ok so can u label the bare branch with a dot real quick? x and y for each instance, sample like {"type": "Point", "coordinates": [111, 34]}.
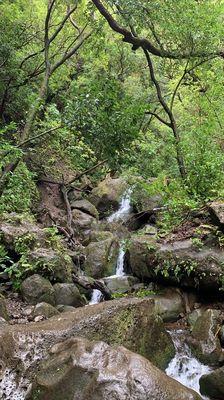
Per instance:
{"type": "Point", "coordinates": [159, 118]}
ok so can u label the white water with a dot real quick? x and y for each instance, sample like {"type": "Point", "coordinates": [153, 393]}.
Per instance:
{"type": "Point", "coordinates": [185, 368]}
{"type": "Point", "coordinates": [120, 215]}
{"type": "Point", "coordinates": [120, 262]}
{"type": "Point", "coordinates": [96, 297]}
{"type": "Point", "coordinates": [124, 210]}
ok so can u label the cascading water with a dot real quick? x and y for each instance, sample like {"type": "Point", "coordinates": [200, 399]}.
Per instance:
{"type": "Point", "coordinates": [120, 215]}
{"type": "Point", "coordinates": [96, 297]}
{"type": "Point", "coordinates": [120, 261]}
{"type": "Point", "coordinates": [124, 210]}
{"type": "Point", "coordinates": [185, 368]}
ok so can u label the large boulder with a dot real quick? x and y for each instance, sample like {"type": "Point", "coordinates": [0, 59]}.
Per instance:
{"type": "Point", "coordinates": [96, 371]}
{"type": "Point", "coordinates": [83, 221]}
{"type": "Point", "coordinates": [120, 284]}
{"type": "Point", "coordinates": [107, 195]}
{"type": "Point", "coordinates": [55, 264]}
{"type": "Point", "coordinates": [216, 209]}
{"type": "Point", "coordinates": [85, 206]}
{"type": "Point", "coordinates": [170, 304]}
{"type": "Point", "coordinates": [212, 384]}
{"type": "Point", "coordinates": [37, 289]}
{"type": "Point", "coordinates": [101, 257]}
{"type": "Point", "coordinates": [42, 248]}
{"type": "Point", "coordinates": [129, 322]}
{"type": "Point", "coordinates": [204, 341]}
{"type": "Point", "coordinates": [68, 294]}
{"type": "Point", "coordinates": [45, 310]}
{"type": "Point", "coordinates": [179, 263]}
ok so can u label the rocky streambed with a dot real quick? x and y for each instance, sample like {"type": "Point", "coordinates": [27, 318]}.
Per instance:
{"type": "Point", "coordinates": [161, 337]}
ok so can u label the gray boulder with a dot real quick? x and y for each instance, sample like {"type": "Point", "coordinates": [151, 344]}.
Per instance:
{"type": "Point", "coordinates": [44, 309]}
{"type": "Point", "coordinates": [57, 264]}
{"type": "Point", "coordinates": [101, 258]}
{"type": "Point", "coordinates": [177, 263]}
{"type": "Point", "coordinates": [193, 317]}
{"type": "Point", "coordinates": [86, 207]}
{"type": "Point", "coordinates": [37, 289]}
{"type": "Point", "coordinates": [101, 372]}
{"type": "Point", "coordinates": [83, 221]}
{"type": "Point", "coordinates": [212, 384]}
{"type": "Point", "coordinates": [216, 209]}
{"type": "Point", "coordinates": [120, 284]}
{"type": "Point", "coordinates": [205, 343]}
{"type": "Point", "coordinates": [68, 294]}
{"type": "Point", "coordinates": [169, 304]}
{"type": "Point", "coordinates": [107, 195]}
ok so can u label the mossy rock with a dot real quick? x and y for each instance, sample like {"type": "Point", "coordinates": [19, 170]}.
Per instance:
{"type": "Point", "coordinates": [101, 257]}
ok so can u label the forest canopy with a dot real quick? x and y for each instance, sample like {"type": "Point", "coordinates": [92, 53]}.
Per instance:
{"type": "Point", "coordinates": [134, 86]}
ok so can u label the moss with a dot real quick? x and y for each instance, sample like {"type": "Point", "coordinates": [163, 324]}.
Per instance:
{"type": "Point", "coordinates": [121, 327]}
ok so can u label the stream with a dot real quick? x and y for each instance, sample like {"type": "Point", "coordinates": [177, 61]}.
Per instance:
{"type": "Point", "coordinates": [184, 367]}
{"type": "Point", "coordinates": [120, 215]}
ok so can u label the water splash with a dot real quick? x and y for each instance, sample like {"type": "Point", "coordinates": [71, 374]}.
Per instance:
{"type": "Point", "coordinates": [120, 262]}
{"type": "Point", "coordinates": [124, 210]}
{"type": "Point", "coordinates": [185, 368]}
{"type": "Point", "coordinates": [96, 297]}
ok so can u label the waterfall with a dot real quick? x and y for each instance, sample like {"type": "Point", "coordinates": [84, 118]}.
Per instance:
{"type": "Point", "coordinates": [120, 215]}
{"type": "Point", "coordinates": [120, 261]}
{"type": "Point", "coordinates": [185, 368]}
{"type": "Point", "coordinates": [96, 297]}
{"type": "Point", "coordinates": [124, 210]}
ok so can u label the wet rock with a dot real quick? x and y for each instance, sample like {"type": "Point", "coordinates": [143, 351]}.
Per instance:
{"type": "Point", "coordinates": [212, 384]}
{"type": "Point", "coordinates": [130, 322]}
{"type": "Point", "coordinates": [177, 263]}
{"type": "Point", "coordinates": [120, 284]}
{"type": "Point", "coordinates": [205, 343]}
{"type": "Point", "coordinates": [68, 294]}
{"type": "Point", "coordinates": [216, 209]}
{"type": "Point", "coordinates": [101, 258]}
{"type": "Point", "coordinates": [107, 195]}
{"type": "Point", "coordinates": [86, 207]}
{"type": "Point", "coordinates": [37, 289]}
{"type": "Point", "coordinates": [3, 309]}
{"type": "Point", "coordinates": [44, 309]}
{"type": "Point", "coordinates": [101, 372]}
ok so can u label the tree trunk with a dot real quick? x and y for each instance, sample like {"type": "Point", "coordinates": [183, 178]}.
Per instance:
{"type": "Point", "coordinates": [35, 108]}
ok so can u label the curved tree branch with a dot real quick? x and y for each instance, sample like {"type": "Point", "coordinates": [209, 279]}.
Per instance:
{"type": "Point", "coordinates": [145, 44]}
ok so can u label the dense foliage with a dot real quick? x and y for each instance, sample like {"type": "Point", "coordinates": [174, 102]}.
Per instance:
{"type": "Point", "coordinates": [74, 94]}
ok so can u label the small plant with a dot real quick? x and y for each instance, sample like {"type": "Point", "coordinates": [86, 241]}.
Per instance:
{"type": "Point", "coordinates": [220, 237]}
{"type": "Point", "coordinates": [197, 242]}
{"type": "Point", "coordinates": [118, 295]}
{"type": "Point", "coordinates": [141, 293]}
{"type": "Point", "coordinates": [24, 243]}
